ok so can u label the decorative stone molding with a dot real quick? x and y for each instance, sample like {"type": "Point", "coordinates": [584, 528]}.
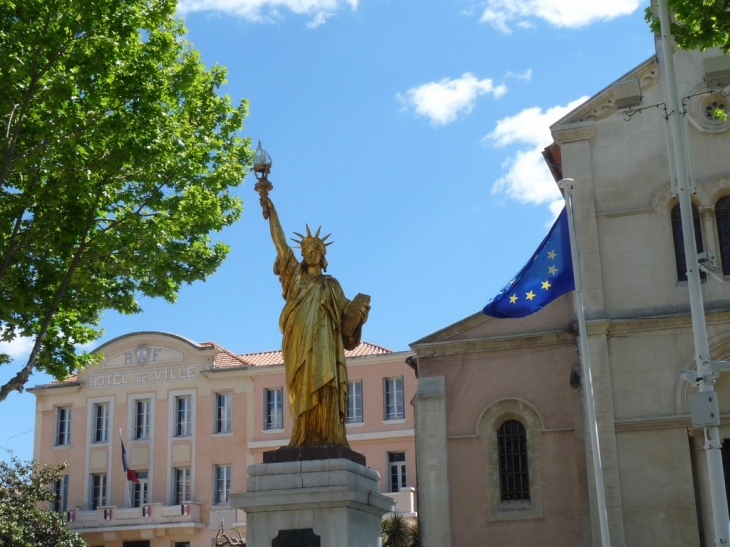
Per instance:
{"type": "Point", "coordinates": [716, 188]}
{"type": "Point", "coordinates": [579, 131]}
{"type": "Point", "coordinates": [489, 422]}
{"type": "Point", "coordinates": [700, 106]}
{"type": "Point", "coordinates": [602, 105]}
{"type": "Point", "coordinates": [458, 347]}
{"type": "Point", "coordinates": [707, 212]}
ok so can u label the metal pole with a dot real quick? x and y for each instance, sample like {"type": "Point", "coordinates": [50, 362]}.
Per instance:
{"type": "Point", "coordinates": [567, 186]}
{"type": "Point", "coordinates": [702, 351]}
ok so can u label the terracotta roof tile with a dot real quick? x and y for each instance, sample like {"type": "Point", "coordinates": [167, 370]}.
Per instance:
{"type": "Point", "coordinates": [69, 380]}
{"type": "Point", "coordinates": [275, 358]}
{"type": "Point", "coordinates": [225, 358]}
{"type": "Point", "coordinates": [366, 348]}
{"type": "Point", "coordinates": [263, 358]}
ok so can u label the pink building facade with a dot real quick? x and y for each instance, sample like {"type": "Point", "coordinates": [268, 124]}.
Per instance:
{"type": "Point", "coordinates": [499, 432]}
{"type": "Point", "coordinates": [192, 418]}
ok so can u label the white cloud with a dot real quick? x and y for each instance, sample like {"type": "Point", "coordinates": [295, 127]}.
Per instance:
{"type": "Point", "coordinates": [560, 13]}
{"type": "Point", "coordinates": [319, 19]}
{"type": "Point", "coordinates": [527, 178]}
{"type": "Point", "coordinates": [18, 348]}
{"type": "Point", "coordinates": [443, 101]}
{"type": "Point", "coordinates": [526, 76]}
{"type": "Point", "coordinates": [269, 10]}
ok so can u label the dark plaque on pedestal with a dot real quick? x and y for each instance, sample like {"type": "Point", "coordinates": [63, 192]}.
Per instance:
{"type": "Point", "coordinates": [303, 537]}
{"type": "Point", "coordinates": [309, 453]}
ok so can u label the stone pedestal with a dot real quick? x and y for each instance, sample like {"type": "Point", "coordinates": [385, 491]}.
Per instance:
{"type": "Point", "coordinates": [318, 503]}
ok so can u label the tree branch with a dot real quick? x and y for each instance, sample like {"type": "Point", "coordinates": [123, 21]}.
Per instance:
{"type": "Point", "coordinates": [18, 382]}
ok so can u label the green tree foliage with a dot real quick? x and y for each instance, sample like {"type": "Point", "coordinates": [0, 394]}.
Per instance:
{"type": "Point", "coordinates": [23, 523]}
{"type": "Point", "coordinates": [398, 532]}
{"type": "Point", "coordinates": [117, 161]}
{"type": "Point", "coordinates": [697, 24]}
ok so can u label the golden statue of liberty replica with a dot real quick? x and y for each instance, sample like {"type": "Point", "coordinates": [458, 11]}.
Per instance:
{"type": "Point", "coordinates": [318, 324]}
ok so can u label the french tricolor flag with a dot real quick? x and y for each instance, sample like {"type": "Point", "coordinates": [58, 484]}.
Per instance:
{"type": "Point", "coordinates": [131, 475]}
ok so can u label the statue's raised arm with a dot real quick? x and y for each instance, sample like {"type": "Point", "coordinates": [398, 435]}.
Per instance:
{"type": "Point", "coordinates": [277, 232]}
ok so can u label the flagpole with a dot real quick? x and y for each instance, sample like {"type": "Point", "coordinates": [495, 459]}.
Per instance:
{"type": "Point", "coordinates": [705, 376]}
{"type": "Point", "coordinates": [567, 187]}
{"type": "Point", "coordinates": [126, 481]}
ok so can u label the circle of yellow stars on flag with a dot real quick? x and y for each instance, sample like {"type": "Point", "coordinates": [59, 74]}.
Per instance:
{"type": "Point", "coordinates": [545, 285]}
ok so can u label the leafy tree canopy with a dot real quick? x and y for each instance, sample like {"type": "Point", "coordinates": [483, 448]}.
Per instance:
{"type": "Point", "coordinates": [698, 24]}
{"type": "Point", "coordinates": [23, 523]}
{"type": "Point", "coordinates": [117, 161]}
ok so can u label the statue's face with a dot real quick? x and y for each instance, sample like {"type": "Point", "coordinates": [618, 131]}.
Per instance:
{"type": "Point", "coordinates": [312, 255]}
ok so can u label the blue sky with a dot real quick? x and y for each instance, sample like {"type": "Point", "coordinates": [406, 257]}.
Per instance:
{"type": "Point", "coordinates": [410, 130]}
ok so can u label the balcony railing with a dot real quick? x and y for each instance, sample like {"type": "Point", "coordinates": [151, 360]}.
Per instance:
{"type": "Point", "coordinates": [153, 513]}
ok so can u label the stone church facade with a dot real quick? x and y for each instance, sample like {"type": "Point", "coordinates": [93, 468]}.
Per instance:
{"type": "Point", "coordinates": [502, 400]}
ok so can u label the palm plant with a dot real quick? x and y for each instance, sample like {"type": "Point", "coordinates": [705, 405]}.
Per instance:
{"type": "Point", "coordinates": [397, 532]}
{"type": "Point", "coordinates": [415, 537]}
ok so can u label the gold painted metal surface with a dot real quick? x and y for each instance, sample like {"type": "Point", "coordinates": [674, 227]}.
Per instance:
{"type": "Point", "coordinates": [318, 323]}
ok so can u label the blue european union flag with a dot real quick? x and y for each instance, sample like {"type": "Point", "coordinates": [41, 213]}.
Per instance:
{"type": "Point", "coordinates": [547, 275]}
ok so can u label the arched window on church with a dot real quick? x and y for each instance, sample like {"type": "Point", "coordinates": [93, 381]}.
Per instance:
{"type": "Point", "coordinates": [514, 475]}
{"type": "Point", "coordinates": [679, 240]}
{"type": "Point", "coordinates": [722, 215]}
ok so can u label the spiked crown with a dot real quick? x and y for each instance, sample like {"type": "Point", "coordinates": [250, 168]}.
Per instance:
{"type": "Point", "coordinates": [310, 239]}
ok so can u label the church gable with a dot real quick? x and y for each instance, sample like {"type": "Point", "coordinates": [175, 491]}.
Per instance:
{"type": "Point", "coordinates": [603, 104]}
{"type": "Point", "coordinates": [555, 317]}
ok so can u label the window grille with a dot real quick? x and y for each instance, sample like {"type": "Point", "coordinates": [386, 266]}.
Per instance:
{"type": "Point", "coordinates": [514, 476]}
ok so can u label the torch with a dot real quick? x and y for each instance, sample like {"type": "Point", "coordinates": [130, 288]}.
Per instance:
{"type": "Point", "coordinates": [261, 168]}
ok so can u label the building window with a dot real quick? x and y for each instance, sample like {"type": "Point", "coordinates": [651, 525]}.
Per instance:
{"type": "Point", "coordinates": [511, 432]}
{"type": "Point", "coordinates": [181, 485]}
{"type": "Point", "coordinates": [100, 428]}
{"type": "Point", "coordinates": [98, 490]}
{"type": "Point", "coordinates": [679, 240]}
{"type": "Point", "coordinates": [60, 491]}
{"type": "Point", "coordinates": [223, 413]}
{"type": "Point", "coordinates": [397, 471]}
{"type": "Point", "coordinates": [514, 475]}
{"type": "Point", "coordinates": [722, 216]}
{"type": "Point", "coordinates": [141, 494]}
{"type": "Point", "coordinates": [142, 419]}
{"type": "Point", "coordinates": [274, 408]}
{"type": "Point", "coordinates": [393, 398]}
{"type": "Point", "coordinates": [183, 416]}
{"type": "Point", "coordinates": [354, 402]}
{"type": "Point", "coordinates": [222, 485]}
{"type": "Point", "coordinates": [63, 425]}
{"type": "Point", "coordinates": [181, 544]}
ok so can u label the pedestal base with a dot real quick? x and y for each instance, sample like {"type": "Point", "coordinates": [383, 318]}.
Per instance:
{"type": "Point", "coordinates": [308, 453]}
{"type": "Point", "coordinates": [337, 499]}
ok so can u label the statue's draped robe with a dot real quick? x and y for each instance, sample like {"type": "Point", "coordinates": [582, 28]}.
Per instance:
{"type": "Point", "coordinates": [314, 353]}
